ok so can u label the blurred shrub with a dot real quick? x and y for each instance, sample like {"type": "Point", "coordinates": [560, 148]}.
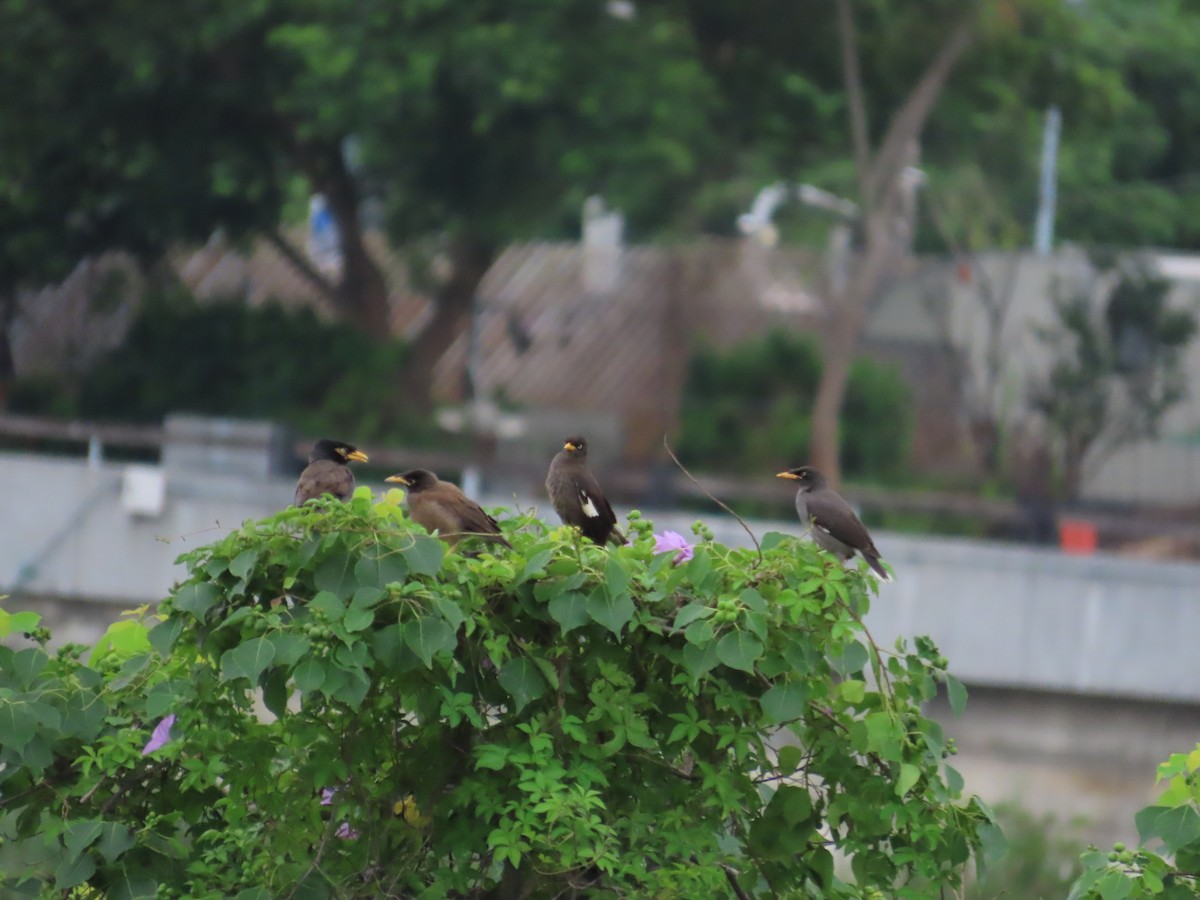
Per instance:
{"type": "Point", "coordinates": [749, 409]}
{"type": "Point", "coordinates": [230, 359]}
{"type": "Point", "coordinates": [1038, 857]}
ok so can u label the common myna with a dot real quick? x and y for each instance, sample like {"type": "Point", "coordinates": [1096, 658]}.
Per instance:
{"type": "Point", "coordinates": [328, 471]}
{"type": "Point", "coordinates": [833, 524]}
{"type": "Point", "coordinates": [577, 497]}
{"type": "Point", "coordinates": [440, 506]}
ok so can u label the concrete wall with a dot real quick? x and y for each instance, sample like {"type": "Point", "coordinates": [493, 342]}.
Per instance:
{"type": "Point", "coordinates": [1070, 756]}
{"type": "Point", "coordinates": [65, 532]}
{"type": "Point", "coordinates": [939, 305]}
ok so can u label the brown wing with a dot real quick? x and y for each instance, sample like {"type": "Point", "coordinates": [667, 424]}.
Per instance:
{"type": "Point", "coordinates": [324, 477]}
{"type": "Point", "coordinates": [829, 512]}
{"type": "Point", "coordinates": [559, 481]}
{"type": "Point", "coordinates": [448, 510]}
{"type": "Point", "coordinates": [476, 521]}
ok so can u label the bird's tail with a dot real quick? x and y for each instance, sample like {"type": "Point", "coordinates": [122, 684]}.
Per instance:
{"type": "Point", "coordinates": [876, 563]}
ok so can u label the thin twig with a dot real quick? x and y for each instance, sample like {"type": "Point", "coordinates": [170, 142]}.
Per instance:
{"type": "Point", "coordinates": [316, 862]}
{"type": "Point", "coordinates": [705, 491]}
{"type": "Point", "coordinates": [731, 876]}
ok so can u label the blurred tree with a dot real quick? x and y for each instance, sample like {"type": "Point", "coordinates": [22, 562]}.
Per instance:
{"type": "Point", "coordinates": [1117, 369]}
{"type": "Point", "coordinates": [1129, 117]}
{"type": "Point", "coordinates": [1125, 79]}
{"type": "Point", "coordinates": [472, 121]}
{"type": "Point", "coordinates": [1131, 176]}
{"type": "Point", "coordinates": [468, 124]}
{"type": "Point", "coordinates": [885, 194]}
{"type": "Point", "coordinates": [92, 156]}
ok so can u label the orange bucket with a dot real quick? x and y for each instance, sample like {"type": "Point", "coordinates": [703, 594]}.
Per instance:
{"type": "Point", "coordinates": [1077, 536]}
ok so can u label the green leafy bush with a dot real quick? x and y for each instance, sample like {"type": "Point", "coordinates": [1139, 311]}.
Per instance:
{"type": "Point", "coordinates": [231, 359]}
{"type": "Point", "coordinates": [1167, 864]}
{"type": "Point", "coordinates": [749, 409]}
{"type": "Point", "coordinates": [553, 719]}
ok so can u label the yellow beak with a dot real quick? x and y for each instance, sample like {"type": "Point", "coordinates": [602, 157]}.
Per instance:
{"type": "Point", "coordinates": [788, 475]}
{"type": "Point", "coordinates": [569, 446]}
{"type": "Point", "coordinates": [357, 456]}
{"type": "Point", "coordinates": [397, 479]}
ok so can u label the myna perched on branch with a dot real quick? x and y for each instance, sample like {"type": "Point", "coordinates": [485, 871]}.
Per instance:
{"type": "Point", "coordinates": [833, 524]}
{"type": "Point", "coordinates": [577, 497]}
{"type": "Point", "coordinates": [328, 471]}
{"type": "Point", "coordinates": [438, 505]}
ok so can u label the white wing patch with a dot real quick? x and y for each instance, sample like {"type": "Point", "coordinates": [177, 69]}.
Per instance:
{"type": "Point", "coordinates": [589, 508]}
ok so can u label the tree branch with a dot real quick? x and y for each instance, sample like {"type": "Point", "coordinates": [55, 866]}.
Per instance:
{"type": "Point", "coordinates": [907, 123]}
{"type": "Point", "coordinates": [303, 266]}
{"type": "Point", "coordinates": [852, 81]}
{"type": "Point", "coordinates": [731, 876]}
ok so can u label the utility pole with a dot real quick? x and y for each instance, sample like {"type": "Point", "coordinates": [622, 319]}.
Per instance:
{"type": "Point", "coordinates": [1043, 230]}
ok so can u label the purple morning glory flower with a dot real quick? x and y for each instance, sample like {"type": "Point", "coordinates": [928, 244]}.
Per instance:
{"type": "Point", "coordinates": [162, 734]}
{"type": "Point", "coordinates": [345, 832]}
{"type": "Point", "coordinates": [327, 795]}
{"type": "Point", "coordinates": [673, 540]}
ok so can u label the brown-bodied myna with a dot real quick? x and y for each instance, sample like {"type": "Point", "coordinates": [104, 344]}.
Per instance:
{"type": "Point", "coordinates": [577, 497]}
{"type": "Point", "coordinates": [833, 524]}
{"type": "Point", "coordinates": [328, 471]}
{"type": "Point", "coordinates": [440, 506]}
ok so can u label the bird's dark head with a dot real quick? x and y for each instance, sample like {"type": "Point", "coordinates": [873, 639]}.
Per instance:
{"type": "Point", "coordinates": [416, 480]}
{"type": "Point", "coordinates": [336, 451]}
{"type": "Point", "coordinates": [575, 446]}
{"type": "Point", "coordinates": [808, 477]}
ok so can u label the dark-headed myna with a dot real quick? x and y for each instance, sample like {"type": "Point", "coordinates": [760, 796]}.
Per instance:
{"type": "Point", "coordinates": [577, 497]}
{"type": "Point", "coordinates": [328, 471]}
{"type": "Point", "coordinates": [440, 506]}
{"type": "Point", "coordinates": [833, 524]}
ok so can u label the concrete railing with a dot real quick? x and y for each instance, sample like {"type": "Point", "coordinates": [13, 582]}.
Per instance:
{"type": "Point", "coordinates": [1005, 616]}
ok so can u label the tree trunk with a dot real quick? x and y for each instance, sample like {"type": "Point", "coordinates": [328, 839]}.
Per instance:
{"type": "Point", "coordinates": [453, 308]}
{"type": "Point", "coordinates": [882, 203]}
{"type": "Point", "coordinates": [837, 353]}
{"type": "Point", "coordinates": [8, 369]}
{"type": "Point", "coordinates": [848, 313]}
{"type": "Point", "coordinates": [362, 292]}
{"type": "Point", "coordinates": [361, 295]}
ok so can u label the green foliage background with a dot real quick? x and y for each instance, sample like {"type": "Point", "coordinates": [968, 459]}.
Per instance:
{"type": "Point", "coordinates": [748, 409]}
{"type": "Point", "coordinates": [559, 717]}
{"type": "Point", "coordinates": [230, 359]}
{"type": "Point", "coordinates": [495, 120]}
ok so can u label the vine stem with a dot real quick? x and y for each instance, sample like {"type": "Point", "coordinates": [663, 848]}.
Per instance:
{"type": "Point", "coordinates": [692, 478]}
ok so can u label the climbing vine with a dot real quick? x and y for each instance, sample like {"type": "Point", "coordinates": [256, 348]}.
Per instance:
{"type": "Point", "coordinates": [331, 704]}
